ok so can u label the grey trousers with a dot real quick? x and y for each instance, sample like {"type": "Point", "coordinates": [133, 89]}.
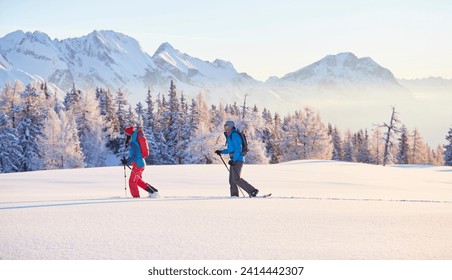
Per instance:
{"type": "Point", "coordinates": [235, 180]}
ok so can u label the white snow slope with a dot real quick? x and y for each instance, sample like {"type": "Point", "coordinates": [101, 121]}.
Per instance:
{"type": "Point", "coordinates": [319, 210]}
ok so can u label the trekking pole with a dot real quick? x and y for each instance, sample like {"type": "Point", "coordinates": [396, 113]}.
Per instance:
{"type": "Point", "coordinates": [125, 181]}
{"type": "Point", "coordinates": [125, 175]}
{"type": "Point", "coordinates": [230, 171]}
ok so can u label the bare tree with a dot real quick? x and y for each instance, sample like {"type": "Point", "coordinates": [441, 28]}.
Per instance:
{"type": "Point", "coordinates": [389, 135]}
{"type": "Point", "coordinates": [244, 108]}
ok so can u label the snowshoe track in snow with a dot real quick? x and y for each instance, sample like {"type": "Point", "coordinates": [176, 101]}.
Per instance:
{"type": "Point", "coordinates": [118, 199]}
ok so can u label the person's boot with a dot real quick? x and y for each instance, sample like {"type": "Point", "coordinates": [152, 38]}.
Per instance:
{"type": "Point", "coordinates": [153, 192]}
{"type": "Point", "coordinates": [152, 188]}
{"type": "Point", "coordinates": [149, 189]}
{"type": "Point", "coordinates": [254, 193]}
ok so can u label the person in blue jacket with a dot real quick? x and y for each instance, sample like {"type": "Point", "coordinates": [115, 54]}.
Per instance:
{"type": "Point", "coordinates": [234, 149]}
{"type": "Point", "coordinates": [138, 164]}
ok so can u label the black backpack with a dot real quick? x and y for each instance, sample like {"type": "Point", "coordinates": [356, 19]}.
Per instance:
{"type": "Point", "coordinates": [242, 135]}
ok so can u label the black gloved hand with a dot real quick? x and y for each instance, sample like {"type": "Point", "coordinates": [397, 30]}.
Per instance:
{"type": "Point", "coordinates": [124, 161]}
{"type": "Point", "coordinates": [218, 152]}
{"type": "Point", "coordinates": [231, 162]}
{"type": "Point", "coordinates": [128, 137]}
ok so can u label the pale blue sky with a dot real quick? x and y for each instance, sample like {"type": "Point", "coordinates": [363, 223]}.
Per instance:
{"type": "Point", "coordinates": [412, 38]}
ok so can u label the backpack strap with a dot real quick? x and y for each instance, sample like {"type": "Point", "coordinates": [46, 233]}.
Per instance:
{"type": "Point", "coordinates": [230, 136]}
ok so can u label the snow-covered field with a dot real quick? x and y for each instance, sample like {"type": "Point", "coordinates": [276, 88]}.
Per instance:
{"type": "Point", "coordinates": [319, 210]}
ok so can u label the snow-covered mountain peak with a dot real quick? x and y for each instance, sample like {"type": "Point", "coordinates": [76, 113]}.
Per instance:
{"type": "Point", "coordinates": [223, 64]}
{"type": "Point", "coordinates": [165, 48]}
{"type": "Point", "coordinates": [20, 41]}
{"type": "Point", "coordinates": [173, 60]}
{"type": "Point", "coordinates": [339, 60]}
{"type": "Point", "coordinates": [184, 62]}
{"type": "Point", "coordinates": [38, 36]}
{"type": "Point", "coordinates": [167, 54]}
{"type": "Point", "coordinates": [11, 39]}
{"type": "Point", "coordinates": [345, 60]}
{"type": "Point", "coordinates": [14, 35]}
{"type": "Point", "coordinates": [100, 43]}
{"type": "Point", "coordinates": [343, 70]}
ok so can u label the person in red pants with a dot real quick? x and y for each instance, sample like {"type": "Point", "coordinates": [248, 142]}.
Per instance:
{"type": "Point", "coordinates": [138, 164]}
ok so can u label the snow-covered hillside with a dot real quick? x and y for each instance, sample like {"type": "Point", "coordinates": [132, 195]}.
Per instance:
{"type": "Point", "coordinates": [319, 210]}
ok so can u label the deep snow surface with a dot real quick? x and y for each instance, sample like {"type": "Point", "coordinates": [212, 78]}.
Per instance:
{"type": "Point", "coordinates": [319, 210]}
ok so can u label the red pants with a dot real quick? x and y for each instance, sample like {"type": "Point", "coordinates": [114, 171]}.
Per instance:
{"type": "Point", "coordinates": [136, 181]}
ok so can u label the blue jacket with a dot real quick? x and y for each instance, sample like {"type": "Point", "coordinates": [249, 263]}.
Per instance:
{"type": "Point", "coordinates": [135, 152]}
{"type": "Point", "coordinates": [234, 146]}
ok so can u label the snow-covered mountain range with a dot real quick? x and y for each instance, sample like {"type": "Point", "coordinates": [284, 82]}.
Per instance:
{"type": "Point", "coordinates": [111, 60]}
{"type": "Point", "coordinates": [339, 86]}
{"type": "Point", "coordinates": [114, 60]}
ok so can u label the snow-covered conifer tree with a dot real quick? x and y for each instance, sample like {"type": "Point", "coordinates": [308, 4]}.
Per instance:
{"type": "Point", "coordinates": [111, 121]}
{"type": "Point", "coordinates": [252, 125]}
{"type": "Point", "coordinates": [8, 102]}
{"type": "Point", "coordinates": [306, 137]}
{"type": "Point", "coordinates": [172, 130]}
{"type": "Point", "coordinates": [337, 153]}
{"type": "Point", "coordinates": [131, 118]}
{"type": "Point", "coordinates": [448, 149]}
{"type": "Point", "coordinates": [184, 126]}
{"type": "Point", "coordinates": [57, 145]}
{"type": "Point", "coordinates": [376, 146]}
{"type": "Point", "coordinates": [149, 129]}
{"type": "Point", "coordinates": [348, 147]}
{"type": "Point", "coordinates": [11, 152]}
{"type": "Point", "coordinates": [139, 112]}
{"type": "Point", "coordinates": [90, 130]}
{"type": "Point", "coordinates": [122, 107]}
{"type": "Point", "coordinates": [438, 156]}
{"type": "Point", "coordinates": [217, 116]}
{"type": "Point", "coordinates": [161, 155]}
{"type": "Point", "coordinates": [402, 155]}
{"type": "Point", "coordinates": [32, 118]}
{"type": "Point", "coordinates": [290, 139]}
{"type": "Point", "coordinates": [83, 107]}
{"type": "Point", "coordinates": [73, 151]}
{"type": "Point", "coordinates": [148, 115]}
{"type": "Point", "coordinates": [51, 145]}
{"type": "Point", "coordinates": [275, 137]}
{"type": "Point", "coordinates": [201, 135]}
{"type": "Point", "coordinates": [72, 97]}
{"type": "Point", "coordinates": [418, 153]}
{"type": "Point", "coordinates": [361, 147]}
{"type": "Point", "coordinates": [121, 110]}
{"type": "Point", "coordinates": [268, 136]}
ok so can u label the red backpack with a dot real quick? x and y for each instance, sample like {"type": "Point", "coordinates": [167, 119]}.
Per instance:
{"type": "Point", "coordinates": [143, 142]}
